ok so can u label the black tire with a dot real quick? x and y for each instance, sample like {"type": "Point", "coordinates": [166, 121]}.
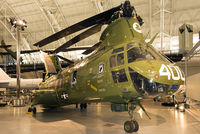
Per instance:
{"type": "Point", "coordinates": [136, 126]}
{"type": "Point", "coordinates": [29, 109]}
{"type": "Point", "coordinates": [131, 126]}
{"type": "Point", "coordinates": [81, 106]}
{"type": "Point", "coordinates": [128, 126]}
{"type": "Point", "coordinates": [85, 105]}
{"type": "Point", "coordinates": [34, 110]}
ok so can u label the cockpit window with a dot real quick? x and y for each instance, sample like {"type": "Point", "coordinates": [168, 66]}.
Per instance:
{"type": "Point", "coordinates": [118, 50]}
{"type": "Point", "coordinates": [112, 61]}
{"type": "Point", "coordinates": [131, 45]}
{"type": "Point", "coordinates": [138, 54]}
{"type": "Point", "coordinates": [116, 59]}
{"type": "Point", "coordinates": [146, 86]}
{"type": "Point", "coordinates": [119, 76]}
{"type": "Point", "coordinates": [153, 52]}
{"type": "Point", "coordinates": [120, 59]}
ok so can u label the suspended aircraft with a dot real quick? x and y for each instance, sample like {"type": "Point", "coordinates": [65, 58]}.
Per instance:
{"type": "Point", "coordinates": [122, 68]}
{"type": "Point", "coordinates": [13, 54]}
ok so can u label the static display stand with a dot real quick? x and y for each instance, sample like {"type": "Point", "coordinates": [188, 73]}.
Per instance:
{"type": "Point", "coordinates": [19, 25]}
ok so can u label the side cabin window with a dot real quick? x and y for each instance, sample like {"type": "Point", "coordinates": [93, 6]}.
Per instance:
{"type": "Point", "coordinates": [117, 50]}
{"type": "Point", "coordinates": [119, 76]}
{"type": "Point", "coordinates": [120, 59]}
{"type": "Point", "coordinates": [73, 78]}
{"type": "Point", "coordinates": [117, 57]}
{"type": "Point", "coordinates": [112, 61]}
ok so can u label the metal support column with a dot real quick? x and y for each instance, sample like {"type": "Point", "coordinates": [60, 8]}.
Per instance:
{"type": "Point", "coordinates": [186, 71]}
{"type": "Point", "coordinates": [150, 18]}
{"type": "Point", "coordinates": [19, 25]}
{"type": "Point", "coordinates": [162, 23]}
{"type": "Point", "coordinates": [18, 63]}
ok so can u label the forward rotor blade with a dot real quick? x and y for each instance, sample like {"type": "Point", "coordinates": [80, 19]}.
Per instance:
{"type": "Point", "coordinates": [76, 48]}
{"type": "Point", "coordinates": [91, 49]}
{"type": "Point", "coordinates": [79, 37]}
{"type": "Point", "coordinates": [65, 59]}
{"type": "Point", "coordinates": [101, 18]}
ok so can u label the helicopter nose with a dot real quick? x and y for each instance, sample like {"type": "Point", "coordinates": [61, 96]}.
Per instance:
{"type": "Point", "coordinates": [153, 77]}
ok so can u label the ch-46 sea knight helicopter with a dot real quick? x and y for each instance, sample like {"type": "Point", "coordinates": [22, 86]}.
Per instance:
{"type": "Point", "coordinates": [122, 69]}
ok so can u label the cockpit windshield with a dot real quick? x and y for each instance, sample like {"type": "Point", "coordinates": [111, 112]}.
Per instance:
{"type": "Point", "coordinates": [138, 53]}
{"type": "Point", "coordinates": [146, 86]}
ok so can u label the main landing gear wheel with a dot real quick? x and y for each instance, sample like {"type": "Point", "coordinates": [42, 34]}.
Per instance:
{"type": "Point", "coordinates": [32, 109]}
{"type": "Point", "coordinates": [131, 126]}
{"type": "Point", "coordinates": [83, 106]}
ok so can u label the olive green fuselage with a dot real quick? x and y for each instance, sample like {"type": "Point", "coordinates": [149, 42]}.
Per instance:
{"type": "Point", "coordinates": [92, 80]}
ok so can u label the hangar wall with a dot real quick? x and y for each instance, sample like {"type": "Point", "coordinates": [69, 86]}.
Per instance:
{"type": "Point", "coordinates": [193, 78]}
{"type": "Point", "coordinates": [193, 91]}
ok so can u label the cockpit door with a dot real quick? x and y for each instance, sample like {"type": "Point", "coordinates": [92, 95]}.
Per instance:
{"type": "Point", "coordinates": [117, 66]}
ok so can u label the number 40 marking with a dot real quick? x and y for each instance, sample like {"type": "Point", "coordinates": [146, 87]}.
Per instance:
{"type": "Point", "coordinates": [167, 71]}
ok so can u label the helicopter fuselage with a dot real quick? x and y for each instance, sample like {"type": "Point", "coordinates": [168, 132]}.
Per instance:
{"type": "Point", "coordinates": [122, 69]}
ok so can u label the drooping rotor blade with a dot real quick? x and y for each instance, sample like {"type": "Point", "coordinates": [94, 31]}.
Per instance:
{"type": "Point", "coordinates": [75, 48]}
{"type": "Point", "coordinates": [36, 50]}
{"type": "Point", "coordinates": [5, 46]}
{"type": "Point", "coordinates": [91, 49]}
{"type": "Point", "coordinates": [101, 18]}
{"type": "Point", "coordinates": [4, 53]}
{"type": "Point", "coordinates": [65, 59]}
{"type": "Point", "coordinates": [29, 51]}
{"type": "Point", "coordinates": [79, 37]}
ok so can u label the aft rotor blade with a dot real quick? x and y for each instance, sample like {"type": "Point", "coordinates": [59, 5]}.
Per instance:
{"type": "Point", "coordinates": [101, 18]}
{"type": "Point", "coordinates": [29, 51]}
{"type": "Point", "coordinates": [65, 59]}
{"type": "Point", "coordinates": [75, 49]}
{"type": "Point", "coordinates": [33, 51]}
{"type": "Point", "coordinates": [79, 37]}
{"type": "Point", "coordinates": [4, 53]}
{"type": "Point", "coordinates": [91, 49]}
{"type": "Point", "coordinates": [5, 46]}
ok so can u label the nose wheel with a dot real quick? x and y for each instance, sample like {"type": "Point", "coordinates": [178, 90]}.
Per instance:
{"type": "Point", "coordinates": [132, 125]}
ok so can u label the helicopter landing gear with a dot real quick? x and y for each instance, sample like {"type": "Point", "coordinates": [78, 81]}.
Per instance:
{"type": "Point", "coordinates": [32, 109]}
{"type": "Point", "coordinates": [132, 125]}
{"type": "Point", "coordinates": [83, 106]}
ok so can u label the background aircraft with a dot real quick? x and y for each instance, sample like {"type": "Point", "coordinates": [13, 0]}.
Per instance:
{"type": "Point", "coordinates": [7, 82]}
{"type": "Point", "coordinates": [13, 54]}
{"type": "Point", "coordinates": [122, 70]}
